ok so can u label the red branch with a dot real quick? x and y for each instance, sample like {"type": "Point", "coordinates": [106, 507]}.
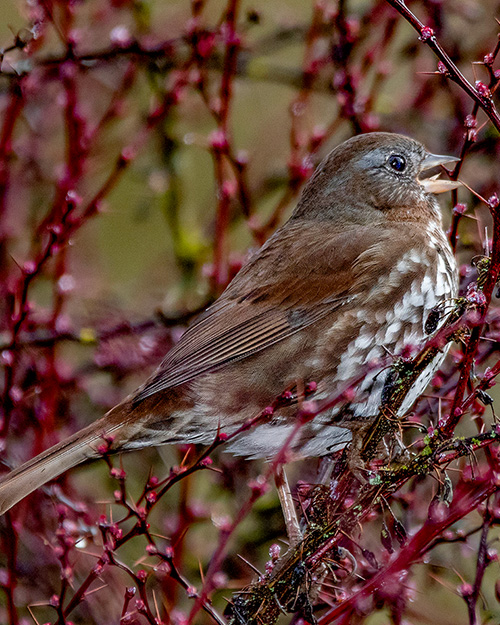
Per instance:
{"type": "Point", "coordinates": [468, 496]}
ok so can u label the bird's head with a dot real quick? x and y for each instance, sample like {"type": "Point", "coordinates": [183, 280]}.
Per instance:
{"type": "Point", "coordinates": [373, 177]}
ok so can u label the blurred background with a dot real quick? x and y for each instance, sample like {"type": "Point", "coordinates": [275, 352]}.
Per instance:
{"type": "Point", "coordinates": [146, 149]}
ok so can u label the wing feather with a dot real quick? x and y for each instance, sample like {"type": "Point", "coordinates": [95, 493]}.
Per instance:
{"type": "Point", "coordinates": [290, 284]}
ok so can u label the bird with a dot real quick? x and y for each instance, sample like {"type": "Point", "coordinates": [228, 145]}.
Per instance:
{"type": "Point", "coordinates": [351, 276]}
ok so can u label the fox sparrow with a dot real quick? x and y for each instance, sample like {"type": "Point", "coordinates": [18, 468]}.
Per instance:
{"type": "Point", "coordinates": [351, 276]}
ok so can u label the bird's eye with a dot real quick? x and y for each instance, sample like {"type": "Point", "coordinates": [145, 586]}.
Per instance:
{"type": "Point", "coordinates": [398, 163]}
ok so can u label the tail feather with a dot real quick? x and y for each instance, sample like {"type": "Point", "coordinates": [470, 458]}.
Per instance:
{"type": "Point", "coordinates": [50, 464]}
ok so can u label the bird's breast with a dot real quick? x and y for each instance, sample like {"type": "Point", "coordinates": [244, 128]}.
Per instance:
{"type": "Point", "coordinates": [390, 321]}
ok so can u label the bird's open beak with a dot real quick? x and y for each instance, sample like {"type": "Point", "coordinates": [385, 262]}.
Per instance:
{"type": "Point", "coordinates": [434, 184]}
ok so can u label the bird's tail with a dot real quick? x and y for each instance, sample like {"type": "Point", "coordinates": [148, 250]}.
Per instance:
{"type": "Point", "coordinates": [53, 462]}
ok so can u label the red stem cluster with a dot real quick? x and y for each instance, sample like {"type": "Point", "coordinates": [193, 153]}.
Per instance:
{"type": "Point", "coordinates": [338, 87]}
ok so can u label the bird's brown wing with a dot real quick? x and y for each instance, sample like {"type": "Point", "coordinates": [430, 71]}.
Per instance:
{"type": "Point", "coordinates": [246, 331]}
{"type": "Point", "coordinates": [292, 282]}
